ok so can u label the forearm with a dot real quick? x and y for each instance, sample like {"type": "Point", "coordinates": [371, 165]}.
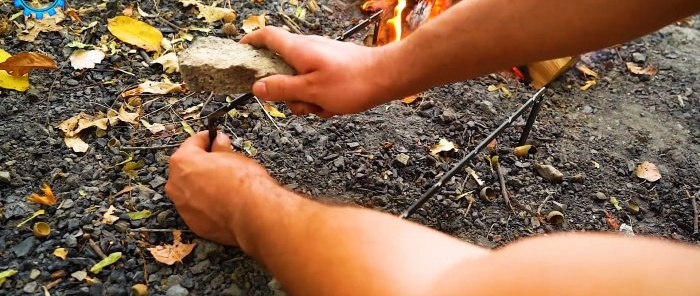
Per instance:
{"type": "Point", "coordinates": [478, 37]}
{"type": "Point", "coordinates": [316, 249]}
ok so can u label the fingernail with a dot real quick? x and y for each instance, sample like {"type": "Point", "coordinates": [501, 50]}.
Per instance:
{"type": "Point", "coordinates": [260, 89]}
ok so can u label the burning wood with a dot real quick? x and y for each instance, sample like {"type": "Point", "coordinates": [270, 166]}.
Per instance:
{"type": "Point", "coordinates": [401, 17]}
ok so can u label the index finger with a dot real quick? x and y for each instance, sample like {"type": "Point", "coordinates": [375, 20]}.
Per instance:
{"type": "Point", "coordinates": [195, 144]}
{"type": "Point", "coordinates": [272, 38]}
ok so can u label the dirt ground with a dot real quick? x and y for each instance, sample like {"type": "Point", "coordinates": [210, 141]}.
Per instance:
{"type": "Point", "coordinates": [596, 138]}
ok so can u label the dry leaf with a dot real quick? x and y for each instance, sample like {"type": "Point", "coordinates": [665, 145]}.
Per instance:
{"type": "Point", "coordinates": [587, 71]}
{"type": "Point", "coordinates": [154, 87]}
{"type": "Point", "coordinates": [109, 260]}
{"type": "Point", "coordinates": [272, 110]}
{"type": "Point", "coordinates": [45, 198]}
{"type": "Point", "coordinates": [135, 32]}
{"type": "Point", "coordinates": [442, 146]}
{"type": "Point", "coordinates": [502, 88]}
{"type": "Point", "coordinates": [192, 112]}
{"type": "Point", "coordinates": [128, 10]}
{"type": "Point", "coordinates": [153, 128]}
{"type": "Point", "coordinates": [74, 125]}
{"type": "Point", "coordinates": [86, 59]}
{"type": "Point", "coordinates": [213, 14]}
{"type": "Point", "coordinates": [108, 217]}
{"type": "Point", "coordinates": [253, 23]}
{"type": "Point", "coordinates": [649, 71]}
{"type": "Point", "coordinates": [8, 81]}
{"type": "Point", "coordinates": [248, 148]}
{"type": "Point", "coordinates": [409, 99]}
{"type": "Point", "coordinates": [588, 85]}
{"type": "Point", "coordinates": [187, 128]}
{"type": "Point", "coordinates": [36, 214]}
{"type": "Point", "coordinates": [61, 253]}
{"type": "Point", "coordinates": [648, 171]}
{"type": "Point", "coordinates": [612, 221]}
{"type": "Point", "coordinates": [5, 274]}
{"type": "Point", "coordinates": [76, 143]}
{"type": "Point", "coordinates": [34, 26]}
{"type": "Point", "coordinates": [169, 254]}
{"type": "Point", "coordinates": [128, 116]}
{"type": "Point", "coordinates": [169, 62]}
{"type": "Point", "coordinates": [20, 64]}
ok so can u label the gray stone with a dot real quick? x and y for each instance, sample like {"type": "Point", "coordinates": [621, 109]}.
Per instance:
{"type": "Point", "coordinates": [5, 177]}
{"type": "Point", "coordinates": [172, 281]}
{"type": "Point", "coordinates": [34, 273]}
{"type": "Point", "coordinates": [200, 267]}
{"type": "Point", "coordinates": [339, 162]}
{"type": "Point", "coordinates": [205, 249]}
{"type": "Point", "coordinates": [121, 226]}
{"type": "Point", "coordinates": [177, 290]}
{"type": "Point", "coordinates": [587, 109]}
{"type": "Point", "coordinates": [232, 290]}
{"type": "Point", "coordinates": [67, 204]}
{"type": "Point", "coordinates": [402, 158]}
{"type": "Point", "coordinates": [487, 107]}
{"type": "Point", "coordinates": [157, 182]}
{"type": "Point", "coordinates": [70, 241]}
{"type": "Point", "coordinates": [30, 287]}
{"type": "Point", "coordinates": [353, 144]}
{"type": "Point", "coordinates": [639, 58]}
{"type": "Point", "coordinates": [600, 196]}
{"type": "Point", "coordinates": [224, 66]}
{"type": "Point", "coordinates": [549, 173]}
{"type": "Point", "coordinates": [25, 247]}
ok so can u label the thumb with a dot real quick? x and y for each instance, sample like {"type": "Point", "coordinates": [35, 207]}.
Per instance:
{"type": "Point", "coordinates": [280, 87]}
{"type": "Point", "coordinates": [222, 143]}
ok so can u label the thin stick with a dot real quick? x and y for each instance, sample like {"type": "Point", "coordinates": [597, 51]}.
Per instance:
{"type": "Point", "coordinates": [156, 230]}
{"type": "Point", "coordinates": [96, 248]}
{"type": "Point", "coordinates": [502, 180]}
{"type": "Point", "coordinates": [169, 23]}
{"type": "Point", "coordinates": [268, 114]}
{"type": "Point", "coordinates": [52, 284]}
{"type": "Point", "coordinates": [305, 22]}
{"type": "Point", "coordinates": [129, 148]}
{"type": "Point", "coordinates": [539, 209]}
{"type": "Point", "coordinates": [695, 210]}
{"type": "Point", "coordinates": [290, 23]}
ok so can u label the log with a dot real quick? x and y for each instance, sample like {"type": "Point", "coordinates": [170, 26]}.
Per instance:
{"type": "Point", "coordinates": [544, 72]}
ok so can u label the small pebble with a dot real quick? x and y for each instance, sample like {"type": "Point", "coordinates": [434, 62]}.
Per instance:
{"type": "Point", "coordinates": [600, 196]}
{"type": "Point", "coordinates": [30, 287]}
{"type": "Point", "coordinates": [402, 158]}
{"type": "Point", "coordinates": [5, 177]}
{"type": "Point", "coordinates": [177, 290]}
{"type": "Point", "coordinates": [639, 58]}
{"type": "Point", "coordinates": [549, 173]}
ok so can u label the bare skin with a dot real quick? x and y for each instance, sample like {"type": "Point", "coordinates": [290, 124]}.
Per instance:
{"type": "Point", "coordinates": [317, 249]}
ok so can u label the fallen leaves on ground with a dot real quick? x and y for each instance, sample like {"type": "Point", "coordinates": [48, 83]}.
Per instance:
{"type": "Point", "coordinates": [33, 26]}
{"type": "Point", "coordinates": [248, 148]}
{"type": "Point", "coordinates": [637, 70]}
{"type": "Point", "coordinates": [36, 214]}
{"type": "Point", "coordinates": [588, 84]}
{"type": "Point", "coordinates": [442, 146]}
{"type": "Point", "coordinates": [139, 215]}
{"type": "Point", "coordinates": [253, 23]}
{"type": "Point", "coordinates": [192, 112]}
{"type": "Point", "coordinates": [648, 171]}
{"type": "Point", "coordinates": [135, 32]}
{"type": "Point", "coordinates": [61, 253]}
{"type": "Point", "coordinates": [74, 125]}
{"type": "Point", "coordinates": [86, 59]}
{"type": "Point", "coordinates": [45, 198]}
{"type": "Point", "coordinates": [169, 254]}
{"type": "Point", "coordinates": [272, 110]}
{"type": "Point", "coordinates": [611, 221]}
{"type": "Point", "coordinates": [153, 128]}
{"type": "Point", "coordinates": [22, 63]}
{"type": "Point", "coordinates": [129, 117]}
{"type": "Point", "coordinates": [590, 74]}
{"type": "Point", "coordinates": [8, 81]}
{"type": "Point", "coordinates": [109, 260]}
{"type": "Point", "coordinates": [409, 99]}
{"type": "Point", "coordinates": [108, 217]}
{"type": "Point", "coordinates": [209, 13]}
{"type": "Point", "coordinates": [169, 62]}
{"type": "Point", "coordinates": [187, 128]}
{"type": "Point", "coordinates": [615, 203]}
{"type": "Point", "coordinates": [154, 87]}
{"type": "Point", "coordinates": [76, 143]}
{"type": "Point", "coordinates": [5, 274]}
{"type": "Point", "coordinates": [502, 88]}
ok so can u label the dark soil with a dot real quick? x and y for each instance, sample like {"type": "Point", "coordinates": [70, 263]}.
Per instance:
{"type": "Point", "coordinates": [617, 124]}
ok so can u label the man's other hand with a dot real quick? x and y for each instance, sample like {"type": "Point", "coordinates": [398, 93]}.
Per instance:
{"type": "Point", "coordinates": [333, 78]}
{"type": "Point", "coordinates": [207, 188]}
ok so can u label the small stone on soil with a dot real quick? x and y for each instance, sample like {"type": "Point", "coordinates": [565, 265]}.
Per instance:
{"type": "Point", "coordinates": [549, 173]}
{"type": "Point", "coordinates": [639, 58]}
{"type": "Point", "coordinates": [600, 196]}
{"type": "Point", "coordinates": [177, 290]}
{"type": "Point", "coordinates": [402, 158]}
{"type": "Point", "coordinates": [30, 287]}
{"type": "Point", "coordinates": [5, 177]}
{"type": "Point", "coordinates": [487, 107]}
{"type": "Point", "coordinates": [25, 247]}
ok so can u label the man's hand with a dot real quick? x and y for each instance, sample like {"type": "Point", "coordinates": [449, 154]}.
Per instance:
{"type": "Point", "coordinates": [208, 188]}
{"type": "Point", "coordinates": [334, 77]}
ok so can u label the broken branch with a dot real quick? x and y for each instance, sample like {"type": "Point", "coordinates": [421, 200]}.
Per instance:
{"type": "Point", "coordinates": [693, 201]}
{"type": "Point", "coordinates": [502, 181]}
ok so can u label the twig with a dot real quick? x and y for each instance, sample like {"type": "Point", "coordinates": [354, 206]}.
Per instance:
{"type": "Point", "coordinates": [52, 284]}
{"type": "Point", "coordinates": [156, 230]}
{"type": "Point", "coordinates": [150, 147]}
{"type": "Point", "coordinates": [290, 23]}
{"type": "Point", "coordinates": [169, 23]}
{"type": "Point", "coordinates": [145, 56]}
{"type": "Point", "coordinates": [695, 210]}
{"type": "Point", "coordinates": [268, 114]}
{"type": "Point", "coordinates": [539, 209]}
{"type": "Point", "coordinates": [502, 180]}
{"type": "Point", "coordinates": [306, 23]}
{"type": "Point", "coordinates": [96, 248]}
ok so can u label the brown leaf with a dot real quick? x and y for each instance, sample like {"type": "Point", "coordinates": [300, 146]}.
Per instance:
{"type": "Point", "coordinates": [442, 146]}
{"type": "Point", "coordinates": [648, 171]}
{"type": "Point", "coordinates": [46, 198]}
{"type": "Point", "coordinates": [650, 71]}
{"type": "Point", "coordinates": [253, 23]}
{"type": "Point", "coordinates": [169, 254]}
{"type": "Point", "coordinates": [409, 99]}
{"type": "Point", "coordinates": [587, 71]}
{"type": "Point", "coordinates": [588, 84]}
{"type": "Point", "coordinates": [108, 217]}
{"type": "Point", "coordinates": [20, 64]}
{"type": "Point", "coordinates": [612, 221]}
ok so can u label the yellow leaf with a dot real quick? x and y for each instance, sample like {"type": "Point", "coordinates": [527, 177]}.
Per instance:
{"type": "Point", "coordinates": [108, 217]}
{"type": "Point", "coordinates": [86, 59]}
{"type": "Point", "coordinates": [36, 214]}
{"type": "Point", "coordinates": [615, 203]}
{"type": "Point", "coordinates": [169, 254]}
{"type": "Point", "coordinates": [253, 23]}
{"type": "Point", "coordinates": [409, 99]}
{"type": "Point", "coordinates": [135, 32]}
{"type": "Point", "coordinates": [109, 260]}
{"type": "Point", "coordinates": [5, 274]}
{"type": "Point", "coordinates": [10, 82]}
{"type": "Point", "coordinates": [503, 88]}
{"type": "Point", "coordinates": [169, 62]}
{"type": "Point", "coordinates": [248, 148]}
{"type": "Point", "coordinates": [46, 198]}
{"type": "Point", "coordinates": [61, 253]}
{"type": "Point", "coordinates": [442, 146]}
{"type": "Point", "coordinates": [648, 171]}
{"type": "Point", "coordinates": [129, 117]}
{"type": "Point", "coordinates": [213, 14]}
{"type": "Point", "coordinates": [187, 128]}
{"type": "Point", "coordinates": [649, 71]}
{"type": "Point", "coordinates": [588, 85]}
{"type": "Point", "coordinates": [139, 215]}
{"type": "Point", "coordinates": [272, 110]}
{"type": "Point", "coordinates": [74, 125]}
{"type": "Point", "coordinates": [587, 71]}
{"type": "Point", "coordinates": [133, 165]}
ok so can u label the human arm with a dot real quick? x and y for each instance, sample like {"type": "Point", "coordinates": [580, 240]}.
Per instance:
{"type": "Point", "coordinates": [470, 39]}
{"type": "Point", "coordinates": [318, 249]}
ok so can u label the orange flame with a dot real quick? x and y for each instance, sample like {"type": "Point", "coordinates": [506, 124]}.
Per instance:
{"type": "Point", "coordinates": [398, 25]}
{"type": "Point", "coordinates": [397, 20]}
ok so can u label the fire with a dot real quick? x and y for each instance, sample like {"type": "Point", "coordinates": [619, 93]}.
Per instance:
{"type": "Point", "coordinates": [407, 16]}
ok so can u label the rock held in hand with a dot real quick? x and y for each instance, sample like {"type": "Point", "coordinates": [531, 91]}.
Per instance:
{"type": "Point", "coordinates": [549, 173]}
{"type": "Point", "coordinates": [224, 66]}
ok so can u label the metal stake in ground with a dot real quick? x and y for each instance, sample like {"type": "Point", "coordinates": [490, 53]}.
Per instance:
{"type": "Point", "coordinates": [446, 177]}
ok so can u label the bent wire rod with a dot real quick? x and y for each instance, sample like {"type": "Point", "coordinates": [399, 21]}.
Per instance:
{"type": "Point", "coordinates": [446, 177]}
